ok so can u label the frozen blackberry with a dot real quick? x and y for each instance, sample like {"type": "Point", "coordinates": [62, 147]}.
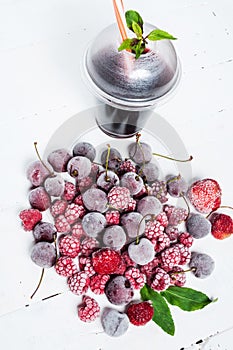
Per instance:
{"type": "Point", "coordinates": [44, 231]}
{"type": "Point", "coordinates": [107, 180]}
{"type": "Point", "coordinates": [84, 149]}
{"type": "Point", "coordinates": [142, 252]}
{"type": "Point", "coordinates": [114, 322]}
{"type": "Point", "coordinates": [95, 199]}
{"type": "Point", "coordinates": [176, 186]}
{"type": "Point", "coordinates": [140, 153]}
{"type": "Point", "coordinates": [54, 185]}
{"type": "Point", "coordinates": [93, 223]}
{"type": "Point", "coordinates": [119, 290]}
{"type": "Point", "coordinates": [43, 254]}
{"type": "Point", "coordinates": [59, 159]}
{"type": "Point", "coordinates": [79, 167]}
{"type": "Point", "coordinates": [133, 182]}
{"type": "Point", "coordinates": [198, 226]}
{"type": "Point", "coordinates": [202, 264]}
{"type": "Point", "coordinates": [114, 159]}
{"type": "Point", "coordinates": [133, 223]}
{"type": "Point", "coordinates": [149, 171]}
{"type": "Point", "coordinates": [114, 237]}
{"type": "Point", "coordinates": [149, 205]}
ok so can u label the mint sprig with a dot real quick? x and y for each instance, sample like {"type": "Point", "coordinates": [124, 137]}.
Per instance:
{"type": "Point", "coordinates": [137, 45]}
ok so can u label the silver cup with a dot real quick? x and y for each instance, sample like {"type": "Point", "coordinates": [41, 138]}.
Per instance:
{"type": "Point", "coordinates": [130, 88]}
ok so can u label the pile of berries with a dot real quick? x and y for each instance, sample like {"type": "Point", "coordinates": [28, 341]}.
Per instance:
{"type": "Point", "coordinates": [114, 229]}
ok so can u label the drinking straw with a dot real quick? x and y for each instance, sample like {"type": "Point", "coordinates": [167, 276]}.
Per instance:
{"type": "Point", "coordinates": [120, 22]}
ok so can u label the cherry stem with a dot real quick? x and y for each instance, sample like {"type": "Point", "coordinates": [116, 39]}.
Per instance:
{"type": "Point", "coordinates": [176, 178]}
{"type": "Point", "coordinates": [192, 269]}
{"type": "Point", "coordinates": [221, 207]}
{"type": "Point", "coordinates": [185, 200]}
{"type": "Point", "coordinates": [106, 163]}
{"type": "Point", "coordinates": [55, 245]}
{"type": "Point", "coordinates": [143, 218]}
{"type": "Point", "coordinates": [38, 286]}
{"type": "Point", "coordinates": [170, 158]}
{"type": "Point", "coordinates": [38, 155]}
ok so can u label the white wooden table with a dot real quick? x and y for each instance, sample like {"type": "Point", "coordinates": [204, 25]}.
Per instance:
{"type": "Point", "coordinates": [41, 48]}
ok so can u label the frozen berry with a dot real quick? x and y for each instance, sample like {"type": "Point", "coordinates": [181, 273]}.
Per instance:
{"type": "Point", "coordinates": [98, 283]}
{"type": "Point", "coordinates": [202, 264]}
{"type": "Point", "coordinates": [162, 219]}
{"type": "Point", "coordinates": [198, 226]}
{"type": "Point", "coordinates": [126, 166]}
{"type": "Point", "coordinates": [93, 223]}
{"type": "Point", "coordinates": [140, 313]}
{"type": "Point", "coordinates": [127, 260]}
{"type": "Point", "coordinates": [89, 310]}
{"type": "Point", "coordinates": [205, 195]}
{"type": "Point", "coordinates": [119, 290]}
{"type": "Point", "coordinates": [59, 159]}
{"type": "Point", "coordinates": [69, 191]}
{"type": "Point", "coordinates": [54, 185]}
{"type": "Point", "coordinates": [119, 198]}
{"type": "Point", "coordinates": [105, 261]}
{"type": "Point", "coordinates": [37, 173]}
{"type": "Point", "coordinates": [73, 212]}
{"type": "Point", "coordinates": [142, 252]}
{"type": "Point", "coordinates": [107, 180]}
{"type": "Point", "coordinates": [112, 217]}
{"type": "Point", "coordinates": [39, 199]}
{"type": "Point", "coordinates": [95, 199]}
{"type": "Point", "coordinates": [114, 159]}
{"type": "Point", "coordinates": [44, 231]}
{"type": "Point", "coordinates": [177, 276]}
{"type": "Point", "coordinates": [140, 153]}
{"type": "Point", "coordinates": [58, 207]}
{"type": "Point", "coordinates": [185, 254]}
{"type": "Point", "coordinates": [62, 224]}
{"type": "Point", "coordinates": [149, 171]}
{"type": "Point", "coordinates": [136, 277]}
{"type": "Point", "coordinates": [177, 186]}
{"type": "Point", "coordinates": [79, 283]}
{"type": "Point", "coordinates": [77, 231]}
{"type": "Point", "coordinates": [161, 280]}
{"type": "Point", "coordinates": [114, 237]}
{"type": "Point", "coordinates": [186, 239]}
{"type": "Point", "coordinates": [78, 200]}
{"type": "Point", "coordinates": [159, 190]}
{"type": "Point", "coordinates": [133, 223]}
{"type": "Point", "coordinates": [221, 225]}
{"type": "Point", "coordinates": [149, 269]}
{"type": "Point", "coordinates": [133, 182]}
{"type": "Point", "coordinates": [176, 216]}
{"type": "Point", "coordinates": [114, 322]}
{"type": "Point", "coordinates": [44, 254]}
{"type": "Point", "coordinates": [65, 266]}
{"type": "Point", "coordinates": [149, 205]}
{"type": "Point", "coordinates": [170, 257]}
{"type": "Point", "coordinates": [79, 167]}
{"type": "Point", "coordinates": [172, 232]}
{"type": "Point", "coordinates": [89, 245]}
{"type": "Point", "coordinates": [30, 217]}
{"type": "Point", "coordinates": [84, 149]}
{"type": "Point", "coordinates": [85, 264]}
{"type": "Point", "coordinates": [69, 246]}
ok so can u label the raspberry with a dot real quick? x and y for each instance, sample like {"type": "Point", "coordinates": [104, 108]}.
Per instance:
{"type": "Point", "coordinates": [170, 257]}
{"type": "Point", "coordinates": [61, 224]}
{"type": "Point", "coordinates": [78, 200]}
{"type": "Point", "coordinates": [119, 198]}
{"type": "Point", "coordinates": [30, 217]}
{"type": "Point", "coordinates": [172, 232]}
{"type": "Point", "coordinates": [186, 239]}
{"type": "Point", "coordinates": [131, 205]}
{"type": "Point", "coordinates": [79, 283]}
{"type": "Point", "coordinates": [77, 231]}
{"type": "Point", "coordinates": [98, 283]}
{"type": "Point", "coordinates": [121, 268]}
{"type": "Point", "coordinates": [85, 265]}
{"type": "Point", "coordinates": [126, 258]}
{"type": "Point", "coordinates": [74, 212]}
{"type": "Point", "coordinates": [89, 310]}
{"type": "Point", "coordinates": [58, 207]}
{"type": "Point", "coordinates": [65, 266]}
{"type": "Point", "coordinates": [177, 276]}
{"type": "Point", "coordinates": [153, 229]}
{"type": "Point", "coordinates": [89, 245]}
{"type": "Point", "coordinates": [161, 280]}
{"type": "Point", "coordinates": [205, 195]}
{"type": "Point", "coordinates": [137, 279]}
{"type": "Point", "coordinates": [175, 215]}
{"type": "Point", "coordinates": [159, 190]}
{"type": "Point", "coordinates": [149, 268]}
{"type": "Point", "coordinates": [185, 254]}
{"type": "Point", "coordinates": [106, 261]}
{"type": "Point", "coordinates": [222, 225]}
{"type": "Point", "coordinates": [69, 191]}
{"type": "Point", "coordinates": [112, 217]}
{"type": "Point", "coordinates": [126, 167]}
{"type": "Point", "coordinates": [69, 246]}
{"type": "Point", "coordinates": [140, 313]}
{"type": "Point", "coordinates": [162, 219]}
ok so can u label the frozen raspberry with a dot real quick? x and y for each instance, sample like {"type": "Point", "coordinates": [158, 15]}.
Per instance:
{"type": "Point", "coordinates": [185, 254]}
{"type": "Point", "coordinates": [85, 264]}
{"type": "Point", "coordinates": [74, 212]}
{"type": "Point", "coordinates": [161, 242]}
{"type": "Point", "coordinates": [126, 166]}
{"type": "Point", "coordinates": [159, 190]}
{"type": "Point", "coordinates": [175, 215]}
{"type": "Point", "coordinates": [98, 283]}
{"type": "Point", "coordinates": [119, 198]}
{"type": "Point", "coordinates": [105, 261]}
{"type": "Point", "coordinates": [162, 219]}
{"type": "Point", "coordinates": [177, 276]}
{"type": "Point", "coordinates": [222, 225]}
{"type": "Point", "coordinates": [161, 280]}
{"type": "Point", "coordinates": [170, 257]}
{"type": "Point", "coordinates": [172, 232]}
{"type": "Point", "coordinates": [112, 217]}
{"type": "Point", "coordinates": [186, 239]}
{"type": "Point", "coordinates": [79, 283]}
{"type": "Point", "coordinates": [30, 217]}
{"type": "Point", "coordinates": [153, 229]}
{"type": "Point", "coordinates": [65, 266]}
{"type": "Point", "coordinates": [168, 209]}
{"type": "Point", "coordinates": [69, 191]}
{"type": "Point", "coordinates": [89, 310]}
{"type": "Point", "coordinates": [140, 313]}
{"type": "Point", "coordinates": [149, 269]}
{"type": "Point", "coordinates": [78, 200]}
{"type": "Point", "coordinates": [77, 231]}
{"type": "Point", "coordinates": [39, 199]}
{"type": "Point", "coordinates": [137, 279]}
{"type": "Point", "coordinates": [121, 268]}
{"type": "Point", "coordinates": [61, 224]}
{"type": "Point", "coordinates": [89, 245]}
{"type": "Point", "coordinates": [205, 195]}
{"type": "Point", "coordinates": [131, 205]}
{"type": "Point", "coordinates": [69, 246]}
{"type": "Point", "coordinates": [58, 207]}
{"type": "Point", "coordinates": [126, 258]}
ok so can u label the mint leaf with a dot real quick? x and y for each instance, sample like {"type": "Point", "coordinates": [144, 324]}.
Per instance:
{"type": "Point", "coordinates": [162, 315]}
{"type": "Point", "coordinates": [137, 29]}
{"type": "Point", "coordinates": [138, 48]}
{"type": "Point", "coordinates": [186, 298]}
{"type": "Point", "coordinates": [126, 44]}
{"type": "Point", "coordinates": [158, 34]}
{"type": "Point", "coordinates": [133, 16]}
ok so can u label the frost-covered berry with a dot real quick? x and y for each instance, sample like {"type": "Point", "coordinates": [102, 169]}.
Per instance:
{"type": "Point", "coordinates": [221, 225]}
{"type": "Point", "coordinates": [69, 191]}
{"type": "Point", "coordinates": [177, 186]}
{"type": "Point", "coordinates": [93, 223]}
{"type": "Point", "coordinates": [185, 254]}
{"type": "Point", "coordinates": [140, 153]}
{"type": "Point", "coordinates": [58, 207]}
{"type": "Point", "coordinates": [133, 182]}
{"type": "Point", "coordinates": [114, 159]}
{"type": "Point", "coordinates": [161, 280]}
{"type": "Point", "coordinates": [85, 264]}
{"type": "Point", "coordinates": [149, 171]}
{"type": "Point", "coordinates": [30, 217]}
{"type": "Point", "coordinates": [89, 245]}
{"type": "Point", "coordinates": [126, 166]}
{"type": "Point", "coordinates": [142, 252]}
{"type": "Point", "coordinates": [69, 246]}
{"type": "Point", "coordinates": [127, 260]}
{"type": "Point", "coordinates": [59, 159]}
{"type": "Point", "coordinates": [176, 215]}
{"type": "Point", "coordinates": [73, 212]}
{"type": "Point", "coordinates": [62, 224]}
{"type": "Point", "coordinates": [198, 226]}
{"type": "Point", "coordinates": [136, 277]}
{"type": "Point", "coordinates": [43, 254]}
{"type": "Point", "coordinates": [170, 257]}
{"type": "Point", "coordinates": [162, 219]}
{"type": "Point", "coordinates": [79, 167]}
{"type": "Point", "coordinates": [65, 266]}
{"type": "Point", "coordinates": [105, 261]}
{"type": "Point", "coordinates": [95, 199]}
{"type": "Point", "coordinates": [133, 223]}
{"type": "Point", "coordinates": [149, 269]}
{"type": "Point", "coordinates": [202, 264]}
{"type": "Point", "coordinates": [149, 205]}
{"type": "Point", "coordinates": [79, 283]}
{"type": "Point", "coordinates": [54, 185]}
{"type": "Point", "coordinates": [119, 198]}
{"type": "Point", "coordinates": [155, 233]}
{"type": "Point", "coordinates": [44, 231]}
{"type": "Point", "coordinates": [159, 190]}
{"type": "Point", "coordinates": [140, 313]}
{"type": "Point", "coordinates": [89, 310]}
{"type": "Point", "coordinates": [114, 322]}
{"type": "Point", "coordinates": [77, 231]}
{"type": "Point", "coordinates": [114, 237]}
{"type": "Point", "coordinates": [186, 239]}
{"type": "Point", "coordinates": [177, 276]}
{"type": "Point", "coordinates": [98, 283]}
{"type": "Point", "coordinates": [39, 199]}
{"type": "Point", "coordinates": [112, 217]}
{"type": "Point", "coordinates": [84, 149]}
{"type": "Point", "coordinates": [119, 291]}
{"type": "Point", "coordinates": [107, 180]}
{"type": "Point", "coordinates": [172, 232]}
{"type": "Point", "coordinates": [37, 173]}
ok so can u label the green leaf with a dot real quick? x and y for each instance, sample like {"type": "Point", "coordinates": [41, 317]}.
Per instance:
{"type": "Point", "coordinates": [158, 34]}
{"type": "Point", "coordinates": [186, 298]}
{"type": "Point", "coordinates": [133, 16]}
{"type": "Point", "coordinates": [138, 48]}
{"type": "Point", "coordinates": [137, 29]}
{"type": "Point", "coordinates": [126, 44]}
{"type": "Point", "coordinates": [162, 314]}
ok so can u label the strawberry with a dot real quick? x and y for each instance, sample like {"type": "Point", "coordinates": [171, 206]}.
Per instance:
{"type": "Point", "coordinates": [222, 225]}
